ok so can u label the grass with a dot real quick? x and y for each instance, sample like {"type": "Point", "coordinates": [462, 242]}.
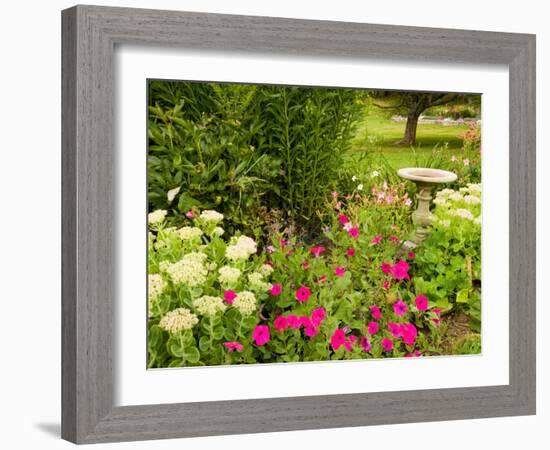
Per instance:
{"type": "Point", "coordinates": [377, 133]}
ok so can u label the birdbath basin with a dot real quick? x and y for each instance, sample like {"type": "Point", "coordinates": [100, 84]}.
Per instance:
{"type": "Point", "coordinates": [426, 179]}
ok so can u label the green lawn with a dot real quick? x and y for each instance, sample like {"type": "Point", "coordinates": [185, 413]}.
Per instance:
{"type": "Point", "coordinates": [386, 133]}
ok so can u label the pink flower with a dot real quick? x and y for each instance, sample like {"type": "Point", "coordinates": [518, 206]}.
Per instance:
{"type": "Point", "coordinates": [302, 294]}
{"type": "Point", "coordinates": [343, 219]}
{"type": "Point", "coordinates": [338, 206]}
{"type": "Point", "coordinates": [375, 311]}
{"type": "Point", "coordinates": [260, 335]}
{"type": "Point", "coordinates": [365, 344]}
{"type": "Point", "coordinates": [339, 271]}
{"type": "Point", "coordinates": [349, 343]}
{"type": "Point", "coordinates": [334, 195]}
{"type": "Point", "coordinates": [337, 339]}
{"type": "Point", "coordinates": [393, 238]}
{"type": "Point", "coordinates": [280, 323]}
{"type": "Point", "coordinates": [466, 162]}
{"type": "Point", "coordinates": [395, 329]}
{"type": "Point", "coordinates": [322, 279]}
{"type": "Point", "coordinates": [411, 255]}
{"type": "Point", "coordinates": [386, 284]}
{"type": "Point", "coordinates": [372, 328]}
{"type": "Point", "coordinates": [350, 252]}
{"type": "Point", "coordinates": [407, 202]}
{"type": "Point", "coordinates": [316, 251]}
{"type": "Point", "coordinates": [276, 289]}
{"type": "Point", "coordinates": [386, 268]}
{"type": "Point", "coordinates": [409, 333]}
{"type": "Point", "coordinates": [229, 296]}
{"type": "Point", "coordinates": [311, 330]}
{"type": "Point", "coordinates": [348, 226]}
{"type": "Point", "coordinates": [189, 214]}
{"type": "Point", "coordinates": [270, 249]}
{"type": "Point", "coordinates": [376, 239]}
{"type": "Point", "coordinates": [305, 265]}
{"type": "Point", "coordinates": [294, 321]}
{"type": "Point", "coordinates": [233, 345]}
{"type": "Point", "coordinates": [399, 308]}
{"type": "Point", "coordinates": [400, 270]}
{"type": "Point", "coordinates": [354, 232]}
{"type": "Point", "coordinates": [317, 316]}
{"type": "Point", "coordinates": [387, 344]}
{"type": "Point", "coordinates": [421, 303]}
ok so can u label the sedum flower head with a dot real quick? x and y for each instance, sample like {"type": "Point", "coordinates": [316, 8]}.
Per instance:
{"type": "Point", "coordinates": [464, 213]}
{"type": "Point", "coordinates": [229, 275]}
{"type": "Point", "coordinates": [189, 270]}
{"type": "Point", "coordinates": [189, 233]}
{"type": "Point", "coordinates": [208, 305]}
{"type": "Point", "coordinates": [156, 285]}
{"type": "Point", "coordinates": [245, 302]}
{"type": "Point", "coordinates": [257, 283]}
{"type": "Point", "coordinates": [211, 216]}
{"type": "Point", "coordinates": [178, 320]}
{"type": "Point", "coordinates": [241, 248]}
{"type": "Point", "coordinates": [156, 216]}
{"type": "Point", "coordinates": [218, 231]}
{"type": "Point", "coordinates": [266, 270]}
{"type": "Point", "coordinates": [472, 199]}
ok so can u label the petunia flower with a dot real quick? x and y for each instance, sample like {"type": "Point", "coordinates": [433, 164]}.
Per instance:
{"type": "Point", "coordinates": [386, 284]}
{"type": "Point", "coordinates": [276, 289]}
{"type": "Point", "coordinates": [233, 345]}
{"type": "Point", "coordinates": [229, 296]}
{"type": "Point", "coordinates": [280, 323]}
{"type": "Point", "coordinates": [376, 239]}
{"type": "Point", "coordinates": [343, 219]}
{"type": "Point", "coordinates": [365, 344]}
{"type": "Point", "coordinates": [318, 315]}
{"type": "Point", "coordinates": [294, 321]}
{"type": "Point", "coordinates": [421, 303]}
{"type": "Point", "coordinates": [302, 294]}
{"type": "Point", "coordinates": [316, 251]}
{"type": "Point", "coordinates": [399, 308]}
{"type": "Point", "coordinates": [354, 232]}
{"type": "Point", "coordinates": [411, 255]}
{"type": "Point", "coordinates": [337, 339]}
{"type": "Point", "coordinates": [400, 270]}
{"type": "Point", "coordinates": [375, 311]}
{"type": "Point", "coordinates": [372, 328]}
{"type": "Point", "coordinates": [260, 335]}
{"type": "Point", "coordinates": [386, 267]}
{"type": "Point", "coordinates": [350, 252]}
{"type": "Point", "coordinates": [339, 271]}
{"type": "Point", "coordinates": [387, 344]}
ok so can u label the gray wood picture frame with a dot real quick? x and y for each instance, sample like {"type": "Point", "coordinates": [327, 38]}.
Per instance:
{"type": "Point", "coordinates": [90, 34]}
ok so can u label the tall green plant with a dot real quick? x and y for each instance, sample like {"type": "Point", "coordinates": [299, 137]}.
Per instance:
{"type": "Point", "coordinates": [309, 129]}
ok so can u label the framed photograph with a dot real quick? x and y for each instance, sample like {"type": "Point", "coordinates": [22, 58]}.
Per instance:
{"type": "Point", "coordinates": [278, 224]}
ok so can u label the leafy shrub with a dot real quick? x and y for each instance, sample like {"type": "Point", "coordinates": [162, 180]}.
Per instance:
{"type": "Point", "coordinates": [448, 263]}
{"type": "Point", "coordinates": [203, 148]}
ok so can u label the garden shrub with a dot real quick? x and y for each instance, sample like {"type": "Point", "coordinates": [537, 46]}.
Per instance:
{"type": "Point", "coordinates": [448, 263]}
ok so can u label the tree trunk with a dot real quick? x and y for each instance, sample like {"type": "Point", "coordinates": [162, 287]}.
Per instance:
{"type": "Point", "coordinates": [410, 129]}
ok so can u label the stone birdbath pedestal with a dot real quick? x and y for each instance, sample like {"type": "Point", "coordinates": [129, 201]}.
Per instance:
{"type": "Point", "coordinates": [426, 180]}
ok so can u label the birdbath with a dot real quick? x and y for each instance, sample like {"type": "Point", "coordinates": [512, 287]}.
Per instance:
{"type": "Point", "coordinates": [426, 180]}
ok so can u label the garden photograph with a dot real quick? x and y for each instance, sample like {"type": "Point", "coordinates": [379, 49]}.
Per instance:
{"type": "Point", "coordinates": [291, 224]}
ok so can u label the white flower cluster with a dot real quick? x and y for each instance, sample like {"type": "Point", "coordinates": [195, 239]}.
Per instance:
{"type": "Point", "coordinates": [241, 249]}
{"type": "Point", "coordinates": [245, 302]}
{"type": "Point", "coordinates": [150, 240]}
{"type": "Point", "coordinates": [229, 275]}
{"type": "Point", "coordinates": [257, 283]}
{"type": "Point", "coordinates": [461, 212]}
{"type": "Point", "coordinates": [177, 320]}
{"type": "Point", "coordinates": [208, 305]}
{"type": "Point", "coordinates": [472, 199]}
{"type": "Point", "coordinates": [211, 216]}
{"type": "Point", "coordinates": [189, 233]}
{"type": "Point", "coordinates": [218, 231]}
{"type": "Point", "coordinates": [155, 284]}
{"type": "Point", "coordinates": [189, 270]}
{"type": "Point", "coordinates": [156, 216]}
{"type": "Point", "coordinates": [266, 270]}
